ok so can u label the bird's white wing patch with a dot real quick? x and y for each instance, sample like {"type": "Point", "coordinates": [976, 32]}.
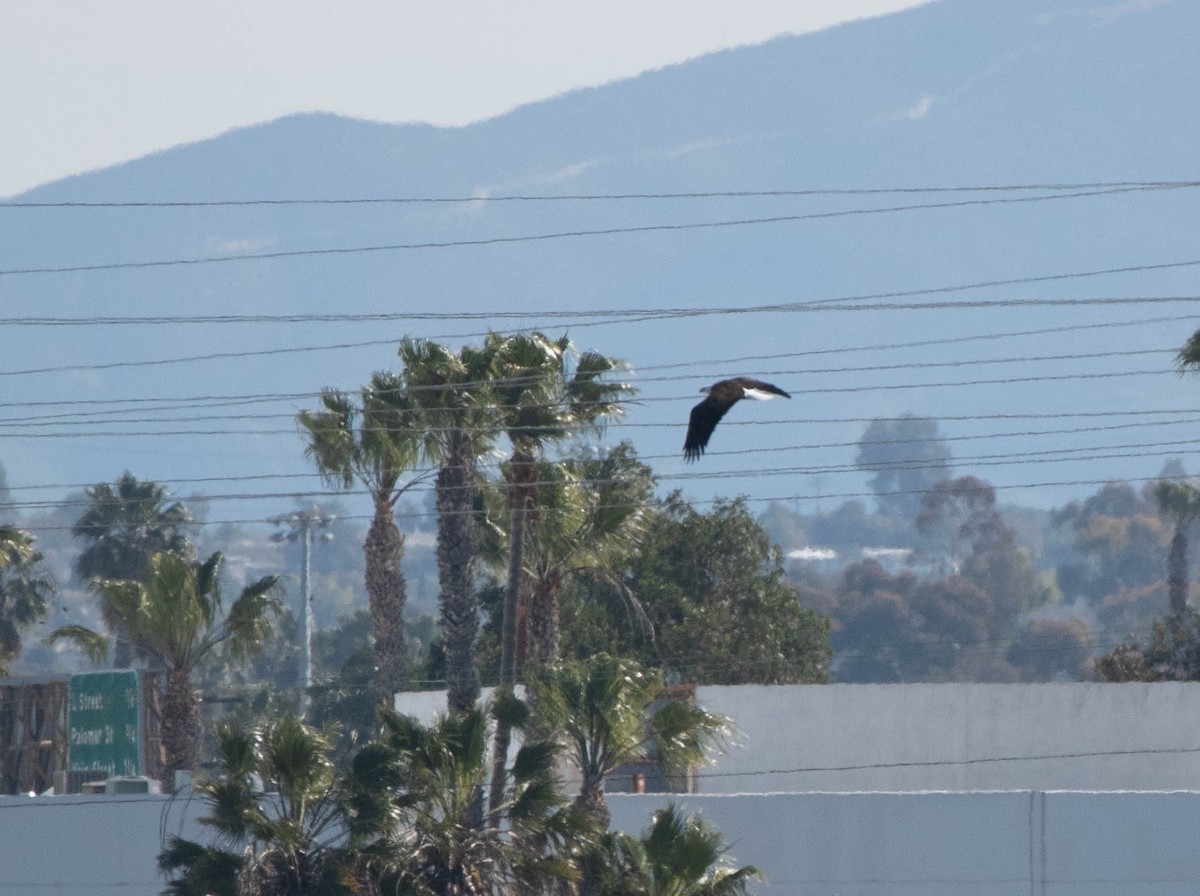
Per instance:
{"type": "Point", "coordinates": [757, 394]}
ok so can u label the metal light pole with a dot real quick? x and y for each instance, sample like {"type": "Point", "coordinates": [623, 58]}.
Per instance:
{"type": "Point", "coordinates": [301, 524]}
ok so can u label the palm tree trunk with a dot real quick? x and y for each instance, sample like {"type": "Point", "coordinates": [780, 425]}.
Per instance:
{"type": "Point", "coordinates": [181, 730]}
{"type": "Point", "coordinates": [591, 799]}
{"type": "Point", "coordinates": [1177, 571]}
{"type": "Point", "coordinates": [519, 498]}
{"type": "Point", "coordinates": [386, 589]}
{"type": "Point", "coordinates": [544, 625]}
{"type": "Point", "coordinates": [456, 549]}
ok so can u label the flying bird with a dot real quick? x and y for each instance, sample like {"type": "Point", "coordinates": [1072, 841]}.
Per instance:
{"type": "Point", "coordinates": [721, 397]}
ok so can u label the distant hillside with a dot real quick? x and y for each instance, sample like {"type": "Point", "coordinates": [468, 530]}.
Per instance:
{"type": "Point", "coordinates": [959, 93]}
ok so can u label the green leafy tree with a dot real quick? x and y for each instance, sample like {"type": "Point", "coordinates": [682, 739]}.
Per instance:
{"type": "Point", "coordinates": [25, 588]}
{"type": "Point", "coordinates": [1172, 653]}
{"type": "Point", "coordinates": [123, 526]}
{"type": "Point", "coordinates": [956, 515]}
{"type": "Point", "coordinates": [177, 616]}
{"type": "Point", "coordinates": [375, 442]}
{"type": "Point", "coordinates": [905, 456]}
{"type": "Point", "coordinates": [1120, 538]}
{"type": "Point", "coordinates": [874, 623]}
{"type": "Point", "coordinates": [343, 695]}
{"type": "Point", "coordinates": [678, 855]}
{"type": "Point", "coordinates": [723, 612]}
{"type": "Point", "coordinates": [1053, 648]}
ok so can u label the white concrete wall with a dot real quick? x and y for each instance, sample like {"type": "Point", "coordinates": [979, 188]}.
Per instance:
{"type": "Point", "coordinates": [806, 844]}
{"type": "Point", "coordinates": [1071, 736]}
{"type": "Point", "coordinates": [80, 845]}
{"type": "Point", "coordinates": [952, 844]}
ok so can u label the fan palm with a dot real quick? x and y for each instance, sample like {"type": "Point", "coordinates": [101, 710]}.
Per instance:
{"type": "Point", "coordinates": [1187, 359]}
{"type": "Point", "coordinates": [291, 840]}
{"type": "Point", "coordinates": [603, 710]}
{"type": "Point", "coordinates": [677, 855]}
{"type": "Point", "coordinates": [438, 845]}
{"type": "Point", "coordinates": [125, 524]}
{"type": "Point", "coordinates": [590, 517]}
{"type": "Point", "coordinates": [176, 616]}
{"type": "Point", "coordinates": [451, 397]}
{"type": "Point", "coordinates": [25, 587]}
{"type": "Point", "coordinates": [374, 442]}
{"type": "Point", "coordinates": [539, 400]}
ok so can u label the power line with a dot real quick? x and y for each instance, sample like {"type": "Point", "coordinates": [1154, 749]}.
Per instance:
{"type": "Point", "coordinates": [261, 477]}
{"type": "Point", "coordinates": [1123, 186]}
{"type": "Point", "coordinates": [831, 390]}
{"type": "Point", "coordinates": [555, 235]}
{"type": "Point", "coordinates": [1036, 458]}
{"type": "Point", "coordinates": [909, 365]}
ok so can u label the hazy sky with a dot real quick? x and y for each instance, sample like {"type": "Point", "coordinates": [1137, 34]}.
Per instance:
{"type": "Point", "coordinates": [85, 84]}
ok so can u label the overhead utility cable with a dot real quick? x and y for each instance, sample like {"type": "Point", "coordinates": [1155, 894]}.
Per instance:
{"type": "Point", "coordinates": [557, 235]}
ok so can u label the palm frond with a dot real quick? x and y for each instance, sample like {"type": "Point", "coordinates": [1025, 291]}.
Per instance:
{"type": "Point", "coordinates": [93, 644]}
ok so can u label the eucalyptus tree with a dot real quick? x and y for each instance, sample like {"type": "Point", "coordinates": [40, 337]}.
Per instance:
{"type": "Point", "coordinates": [1179, 500]}
{"type": "Point", "coordinates": [124, 525]}
{"type": "Point", "coordinates": [25, 588]}
{"type": "Point", "coordinates": [374, 441]}
{"type": "Point", "coordinates": [177, 616]}
{"type": "Point", "coordinates": [452, 402]}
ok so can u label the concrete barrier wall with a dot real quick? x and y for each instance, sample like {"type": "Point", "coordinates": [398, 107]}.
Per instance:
{"type": "Point", "coordinates": [806, 844]}
{"type": "Point", "coordinates": [899, 737]}
{"type": "Point", "coordinates": [80, 845]}
{"type": "Point", "coordinates": [953, 844]}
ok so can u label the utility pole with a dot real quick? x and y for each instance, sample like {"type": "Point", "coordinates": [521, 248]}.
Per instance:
{"type": "Point", "coordinates": [301, 524]}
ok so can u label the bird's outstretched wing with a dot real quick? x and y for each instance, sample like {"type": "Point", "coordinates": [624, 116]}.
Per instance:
{"type": "Point", "coordinates": [759, 390]}
{"type": "Point", "coordinates": [701, 423]}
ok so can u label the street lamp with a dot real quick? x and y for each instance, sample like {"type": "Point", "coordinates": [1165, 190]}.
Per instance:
{"type": "Point", "coordinates": [300, 524]}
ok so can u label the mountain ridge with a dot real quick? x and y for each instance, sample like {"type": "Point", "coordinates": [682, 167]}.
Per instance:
{"type": "Point", "coordinates": [948, 95]}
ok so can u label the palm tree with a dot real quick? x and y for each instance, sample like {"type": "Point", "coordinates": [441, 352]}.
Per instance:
{"type": "Point", "coordinates": [375, 443]}
{"type": "Point", "coordinates": [438, 845]}
{"type": "Point", "coordinates": [175, 615]}
{"type": "Point", "coordinates": [294, 838]}
{"type": "Point", "coordinates": [539, 400]}
{"type": "Point", "coordinates": [677, 855]}
{"type": "Point", "coordinates": [1187, 359]}
{"type": "Point", "coordinates": [125, 524]}
{"type": "Point", "coordinates": [25, 587]}
{"type": "Point", "coordinates": [603, 710]}
{"type": "Point", "coordinates": [590, 517]}
{"type": "Point", "coordinates": [450, 392]}
{"type": "Point", "coordinates": [1180, 501]}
